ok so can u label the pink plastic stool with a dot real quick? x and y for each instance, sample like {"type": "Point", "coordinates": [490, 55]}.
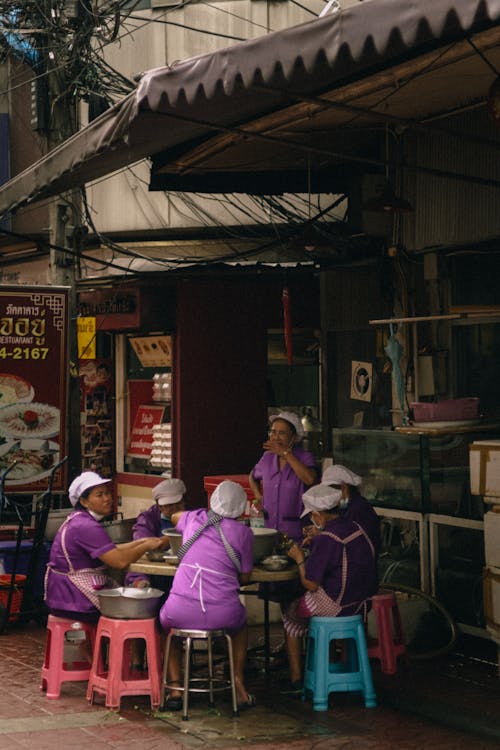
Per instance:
{"type": "Point", "coordinates": [390, 642]}
{"type": "Point", "coordinates": [118, 679]}
{"type": "Point", "coordinates": [54, 670]}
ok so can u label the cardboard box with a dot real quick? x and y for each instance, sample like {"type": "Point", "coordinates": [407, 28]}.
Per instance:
{"type": "Point", "coordinates": [492, 538]}
{"type": "Point", "coordinates": [484, 460]}
{"type": "Point", "coordinates": [491, 599]}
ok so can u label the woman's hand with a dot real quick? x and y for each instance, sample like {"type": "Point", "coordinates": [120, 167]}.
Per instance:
{"type": "Point", "coordinates": [309, 532]}
{"type": "Point", "coordinates": [157, 542]}
{"type": "Point", "coordinates": [273, 447]}
{"type": "Point", "coordinates": [296, 553]}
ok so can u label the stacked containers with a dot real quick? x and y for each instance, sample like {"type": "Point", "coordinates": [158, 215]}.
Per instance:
{"type": "Point", "coordinates": [485, 480]}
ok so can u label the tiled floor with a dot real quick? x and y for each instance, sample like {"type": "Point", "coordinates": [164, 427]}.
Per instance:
{"type": "Point", "coordinates": [451, 703]}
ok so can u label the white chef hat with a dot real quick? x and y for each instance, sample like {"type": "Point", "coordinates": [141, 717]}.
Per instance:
{"type": "Point", "coordinates": [169, 491]}
{"type": "Point", "coordinates": [292, 419]}
{"type": "Point", "coordinates": [320, 497]}
{"type": "Point", "coordinates": [338, 474]}
{"type": "Point", "coordinates": [229, 499]}
{"type": "Point", "coordinates": [84, 481]}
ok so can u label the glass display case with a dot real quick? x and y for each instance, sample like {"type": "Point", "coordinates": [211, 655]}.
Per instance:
{"type": "Point", "coordinates": [412, 469]}
{"type": "Point", "coordinates": [149, 404]}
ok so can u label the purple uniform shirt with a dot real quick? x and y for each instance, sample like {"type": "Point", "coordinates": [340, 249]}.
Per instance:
{"type": "Point", "coordinates": [324, 564]}
{"type": "Point", "coordinates": [207, 578]}
{"type": "Point", "coordinates": [86, 540]}
{"type": "Point", "coordinates": [148, 523]}
{"type": "Point", "coordinates": [282, 492]}
{"type": "Point", "coordinates": [362, 512]}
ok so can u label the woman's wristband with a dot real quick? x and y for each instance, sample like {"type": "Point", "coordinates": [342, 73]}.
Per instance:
{"type": "Point", "coordinates": [302, 562]}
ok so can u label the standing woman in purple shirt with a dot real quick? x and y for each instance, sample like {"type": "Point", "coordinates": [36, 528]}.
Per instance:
{"type": "Point", "coordinates": [283, 474]}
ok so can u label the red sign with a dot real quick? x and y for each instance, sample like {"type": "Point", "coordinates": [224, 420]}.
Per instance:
{"type": "Point", "coordinates": [141, 437]}
{"type": "Point", "coordinates": [33, 384]}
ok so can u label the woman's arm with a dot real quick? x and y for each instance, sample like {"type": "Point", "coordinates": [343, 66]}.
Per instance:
{"type": "Point", "coordinates": [297, 554]}
{"type": "Point", "coordinates": [255, 486]}
{"type": "Point", "coordinates": [306, 474]}
{"type": "Point", "coordinates": [123, 555]}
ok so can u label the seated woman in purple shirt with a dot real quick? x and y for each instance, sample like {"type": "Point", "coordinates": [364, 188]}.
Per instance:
{"type": "Point", "coordinates": [82, 550]}
{"type": "Point", "coordinates": [339, 575]}
{"type": "Point", "coordinates": [216, 557]}
{"type": "Point", "coordinates": [353, 505]}
{"type": "Point", "coordinates": [168, 498]}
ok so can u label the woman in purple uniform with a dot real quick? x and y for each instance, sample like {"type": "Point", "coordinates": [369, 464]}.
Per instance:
{"type": "Point", "coordinates": [339, 575]}
{"type": "Point", "coordinates": [82, 550]}
{"type": "Point", "coordinates": [283, 474]}
{"type": "Point", "coordinates": [216, 557]}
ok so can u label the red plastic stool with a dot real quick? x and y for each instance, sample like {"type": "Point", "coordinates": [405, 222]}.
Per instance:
{"type": "Point", "coordinates": [117, 679]}
{"type": "Point", "coordinates": [55, 670]}
{"type": "Point", "coordinates": [390, 642]}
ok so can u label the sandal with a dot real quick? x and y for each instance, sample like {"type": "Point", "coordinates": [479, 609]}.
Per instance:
{"type": "Point", "coordinates": [250, 703]}
{"type": "Point", "coordinates": [172, 704]}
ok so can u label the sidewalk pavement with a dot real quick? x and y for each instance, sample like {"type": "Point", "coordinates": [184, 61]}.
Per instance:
{"type": "Point", "coordinates": [450, 703]}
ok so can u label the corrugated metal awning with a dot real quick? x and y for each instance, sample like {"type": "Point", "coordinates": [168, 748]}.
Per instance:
{"type": "Point", "coordinates": [250, 116]}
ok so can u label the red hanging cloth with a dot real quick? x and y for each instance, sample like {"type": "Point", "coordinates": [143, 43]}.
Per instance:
{"type": "Point", "coordinates": [287, 325]}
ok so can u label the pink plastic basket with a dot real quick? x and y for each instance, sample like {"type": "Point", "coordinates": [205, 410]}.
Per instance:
{"type": "Point", "coordinates": [451, 410]}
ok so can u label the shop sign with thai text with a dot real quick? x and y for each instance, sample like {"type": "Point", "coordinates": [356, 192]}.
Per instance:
{"type": "Point", "coordinates": [33, 384]}
{"type": "Point", "coordinates": [141, 436]}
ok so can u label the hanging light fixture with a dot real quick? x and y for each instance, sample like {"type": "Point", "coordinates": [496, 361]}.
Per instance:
{"type": "Point", "coordinates": [386, 200]}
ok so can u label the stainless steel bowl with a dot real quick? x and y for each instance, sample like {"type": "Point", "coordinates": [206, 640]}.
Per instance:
{"type": "Point", "coordinates": [175, 539]}
{"type": "Point", "coordinates": [127, 603]}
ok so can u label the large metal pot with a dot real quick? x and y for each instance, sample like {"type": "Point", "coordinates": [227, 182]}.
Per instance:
{"type": "Point", "coordinates": [54, 521]}
{"type": "Point", "coordinates": [264, 541]}
{"type": "Point", "coordinates": [120, 529]}
{"type": "Point", "coordinates": [127, 603]}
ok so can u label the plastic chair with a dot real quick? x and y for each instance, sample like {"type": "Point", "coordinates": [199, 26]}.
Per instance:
{"type": "Point", "coordinates": [117, 679]}
{"type": "Point", "coordinates": [390, 641]}
{"type": "Point", "coordinates": [214, 684]}
{"type": "Point", "coordinates": [55, 670]}
{"type": "Point", "coordinates": [323, 676]}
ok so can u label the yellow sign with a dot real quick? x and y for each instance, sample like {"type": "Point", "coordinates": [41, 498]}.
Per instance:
{"type": "Point", "coordinates": [86, 332]}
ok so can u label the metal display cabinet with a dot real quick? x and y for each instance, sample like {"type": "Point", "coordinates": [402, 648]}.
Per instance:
{"type": "Point", "coordinates": [419, 482]}
{"type": "Point", "coordinates": [426, 471]}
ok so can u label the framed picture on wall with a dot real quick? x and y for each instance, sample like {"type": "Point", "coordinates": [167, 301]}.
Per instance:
{"type": "Point", "coordinates": [361, 381]}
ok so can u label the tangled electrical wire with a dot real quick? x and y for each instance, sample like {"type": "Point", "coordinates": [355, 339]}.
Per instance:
{"type": "Point", "coordinates": [65, 40]}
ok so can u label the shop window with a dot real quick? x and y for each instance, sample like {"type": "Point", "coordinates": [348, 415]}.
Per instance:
{"type": "Point", "coordinates": [149, 392]}
{"type": "Point", "coordinates": [97, 408]}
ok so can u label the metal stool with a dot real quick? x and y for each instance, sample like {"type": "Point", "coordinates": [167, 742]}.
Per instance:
{"type": "Point", "coordinates": [54, 670]}
{"type": "Point", "coordinates": [189, 686]}
{"type": "Point", "coordinates": [322, 677]}
{"type": "Point", "coordinates": [118, 680]}
{"type": "Point", "coordinates": [390, 642]}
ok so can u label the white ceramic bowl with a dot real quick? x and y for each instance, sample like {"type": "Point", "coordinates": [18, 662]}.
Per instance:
{"type": "Point", "coordinates": [275, 562]}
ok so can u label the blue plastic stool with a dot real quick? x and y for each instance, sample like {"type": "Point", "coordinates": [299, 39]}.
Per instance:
{"type": "Point", "coordinates": [321, 676]}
